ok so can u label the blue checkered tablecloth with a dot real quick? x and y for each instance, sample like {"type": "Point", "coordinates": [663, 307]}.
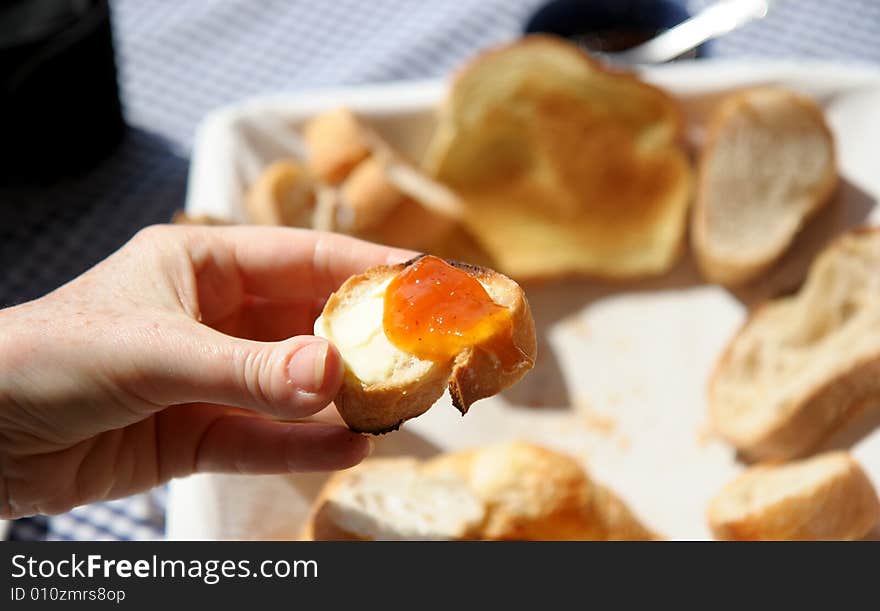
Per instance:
{"type": "Point", "coordinates": [180, 59]}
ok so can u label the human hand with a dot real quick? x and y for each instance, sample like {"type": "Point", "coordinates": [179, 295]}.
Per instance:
{"type": "Point", "coordinates": [170, 358]}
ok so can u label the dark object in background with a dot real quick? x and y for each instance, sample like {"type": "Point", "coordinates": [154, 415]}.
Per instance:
{"type": "Point", "coordinates": [607, 26]}
{"type": "Point", "coordinates": [59, 100]}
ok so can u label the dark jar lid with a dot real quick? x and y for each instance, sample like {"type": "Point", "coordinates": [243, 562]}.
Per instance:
{"type": "Point", "coordinates": [59, 100]}
{"type": "Point", "coordinates": [607, 26]}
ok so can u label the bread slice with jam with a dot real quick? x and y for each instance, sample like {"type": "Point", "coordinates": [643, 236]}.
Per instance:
{"type": "Point", "coordinates": [407, 332]}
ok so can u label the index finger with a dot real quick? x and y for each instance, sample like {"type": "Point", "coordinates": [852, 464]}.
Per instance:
{"type": "Point", "coordinates": [286, 263]}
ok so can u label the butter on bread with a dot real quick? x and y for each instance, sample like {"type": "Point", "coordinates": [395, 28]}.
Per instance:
{"type": "Point", "coordinates": [804, 364]}
{"type": "Point", "coordinates": [563, 166]}
{"type": "Point", "coordinates": [509, 491]}
{"type": "Point", "coordinates": [768, 166]}
{"type": "Point", "coordinates": [826, 497]}
{"type": "Point", "coordinates": [383, 386]}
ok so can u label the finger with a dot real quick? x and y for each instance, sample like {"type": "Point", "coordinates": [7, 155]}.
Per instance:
{"type": "Point", "coordinates": [284, 263]}
{"type": "Point", "coordinates": [271, 321]}
{"type": "Point", "coordinates": [193, 363]}
{"type": "Point", "coordinates": [328, 415]}
{"type": "Point", "coordinates": [236, 444]}
{"type": "Point", "coordinates": [201, 437]}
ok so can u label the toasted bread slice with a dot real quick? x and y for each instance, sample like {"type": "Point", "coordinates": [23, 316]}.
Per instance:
{"type": "Point", "coordinates": [284, 194]}
{"type": "Point", "coordinates": [383, 386]}
{"type": "Point", "coordinates": [768, 165]}
{"type": "Point", "coordinates": [563, 166]}
{"type": "Point", "coordinates": [394, 499]}
{"type": "Point", "coordinates": [511, 491]}
{"type": "Point", "coordinates": [803, 364]}
{"type": "Point", "coordinates": [826, 497]}
{"type": "Point", "coordinates": [533, 493]}
{"type": "Point", "coordinates": [336, 142]}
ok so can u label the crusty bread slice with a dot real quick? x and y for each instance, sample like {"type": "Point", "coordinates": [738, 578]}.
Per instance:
{"type": "Point", "coordinates": [533, 493]}
{"type": "Point", "coordinates": [336, 141]}
{"type": "Point", "coordinates": [372, 205]}
{"type": "Point", "coordinates": [826, 497]}
{"type": "Point", "coordinates": [768, 165]}
{"type": "Point", "coordinates": [354, 182]}
{"type": "Point", "coordinates": [384, 386]}
{"type": "Point", "coordinates": [803, 364]}
{"type": "Point", "coordinates": [394, 499]}
{"type": "Point", "coordinates": [368, 196]}
{"type": "Point", "coordinates": [284, 194]}
{"type": "Point", "coordinates": [563, 166]}
{"type": "Point", "coordinates": [368, 190]}
{"type": "Point", "coordinates": [510, 491]}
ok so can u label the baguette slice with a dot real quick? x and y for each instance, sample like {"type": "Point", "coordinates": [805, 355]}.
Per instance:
{"type": "Point", "coordinates": [368, 190]}
{"type": "Point", "coordinates": [383, 386]}
{"type": "Point", "coordinates": [509, 491]}
{"type": "Point", "coordinates": [394, 499]}
{"type": "Point", "coordinates": [533, 493]}
{"type": "Point", "coordinates": [826, 497]}
{"type": "Point", "coordinates": [336, 141]}
{"type": "Point", "coordinates": [767, 167]}
{"type": "Point", "coordinates": [802, 365]}
{"type": "Point", "coordinates": [284, 194]}
{"type": "Point", "coordinates": [563, 166]}
{"type": "Point", "coordinates": [372, 205]}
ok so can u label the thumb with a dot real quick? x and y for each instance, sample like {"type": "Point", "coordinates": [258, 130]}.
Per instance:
{"type": "Point", "coordinates": [290, 379]}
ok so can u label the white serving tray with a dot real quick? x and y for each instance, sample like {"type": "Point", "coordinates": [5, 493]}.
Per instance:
{"type": "Point", "coordinates": [622, 369]}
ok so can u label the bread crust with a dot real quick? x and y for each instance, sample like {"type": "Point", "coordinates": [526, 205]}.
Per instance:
{"type": "Point", "coordinates": [839, 506]}
{"type": "Point", "coordinates": [730, 271]}
{"type": "Point", "coordinates": [529, 493]}
{"type": "Point", "coordinates": [820, 409]}
{"type": "Point", "coordinates": [381, 211]}
{"type": "Point", "coordinates": [337, 141]}
{"type": "Point", "coordinates": [536, 494]}
{"type": "Point", "coordinates": [535, 40]}
{"type": "Point", "coordinates": [471, 375]}
{"type": "Point", "coordinates": [369, 195]}
{"type": "Point", "coordinates": [284, 194]}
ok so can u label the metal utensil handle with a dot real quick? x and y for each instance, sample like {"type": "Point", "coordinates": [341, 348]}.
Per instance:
{"type": "Point", "coordinates": [713, 21]}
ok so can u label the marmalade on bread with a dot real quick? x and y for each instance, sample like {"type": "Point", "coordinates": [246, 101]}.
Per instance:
{"type": "Point", "coordinates": [434, 310]}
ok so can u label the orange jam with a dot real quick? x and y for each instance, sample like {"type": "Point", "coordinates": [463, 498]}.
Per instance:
{"type": "Point", "coordinates": [434, 310]}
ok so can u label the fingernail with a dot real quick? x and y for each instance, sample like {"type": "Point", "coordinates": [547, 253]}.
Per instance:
{"type": "Point", "coordinates": [308, 366]}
